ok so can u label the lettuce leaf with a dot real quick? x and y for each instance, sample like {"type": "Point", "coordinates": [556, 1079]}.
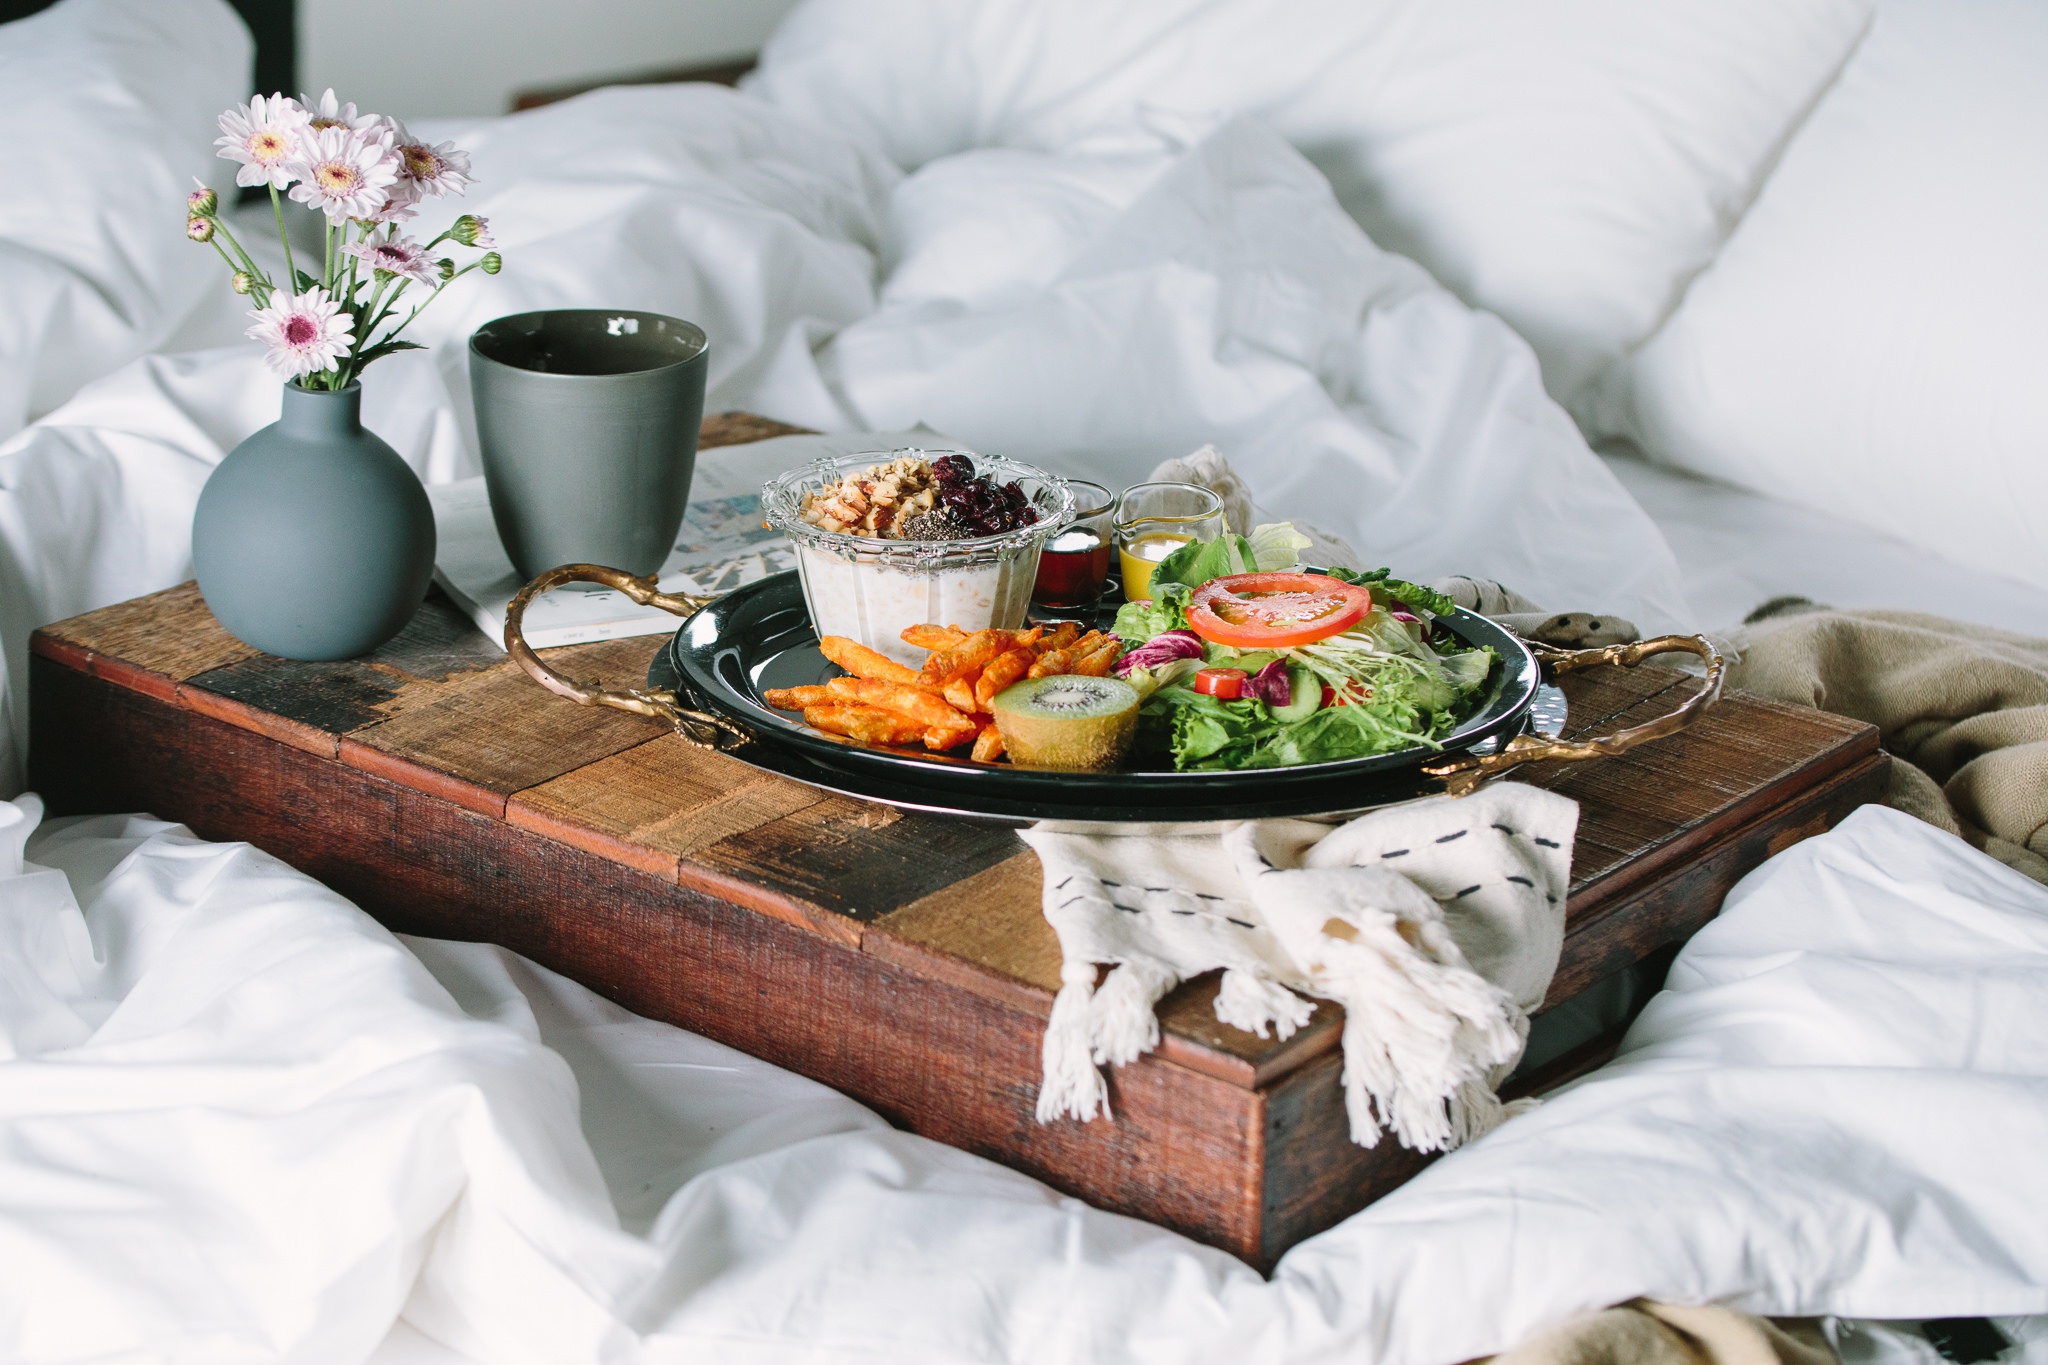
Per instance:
{"type": "Point", "coordinates": [1198, 561]}
{"type": "Point", "coordinates": [1386, 588]}
{"type": "Point", "coordinates": [1137, 622]}
{"type": "Point", "coordinates": [1276, 545]}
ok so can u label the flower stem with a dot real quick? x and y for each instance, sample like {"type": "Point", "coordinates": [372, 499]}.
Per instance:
{"type": "Point", "coordinates": [291, 271]}
{"type": "Point", "coordinates": [220, 229]}
{"type": "Point", "coordinates": [431, 297]}
{"type": "Point", "coordinates": [256, 281]}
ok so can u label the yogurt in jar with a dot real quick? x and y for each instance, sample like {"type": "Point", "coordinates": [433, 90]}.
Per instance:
{"type": "Point", "coordinates": [872, 601]}
{"type": "Point", "coordinates": [871, 587]}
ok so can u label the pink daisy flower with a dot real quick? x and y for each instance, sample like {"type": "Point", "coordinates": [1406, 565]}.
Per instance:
{"type": "Point", "coordinates": [266, 138]}
{"type": "Point", "coordinates": [345, 173]}
{"type": "Point", "coordinates": [328, 112]}
{"type": "Point", "coordinates": [431, 172]}
{"type": "Point", "coordinates": [398, 208]}
{"type": "Point", "coordinates": [306, 332]}
{"type": "Point", "coordinates": [400, 256]}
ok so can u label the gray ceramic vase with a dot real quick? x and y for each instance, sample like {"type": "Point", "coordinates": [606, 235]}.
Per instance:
{"type": "Point", "coordinates": [586, 419]}
{"type": "Point", "coordinates": [313, 540]}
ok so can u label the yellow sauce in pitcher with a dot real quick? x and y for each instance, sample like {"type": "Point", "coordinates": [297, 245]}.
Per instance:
{"type": "Point", "coordinates": [1140, 556]}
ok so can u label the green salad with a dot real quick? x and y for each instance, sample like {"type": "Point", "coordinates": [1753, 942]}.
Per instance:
{"type": "Point", "coordinates": [1242, 663]}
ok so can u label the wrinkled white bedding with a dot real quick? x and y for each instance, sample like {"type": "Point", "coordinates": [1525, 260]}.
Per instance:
{"type": "Point", "coordinates": [238, 1121]}
{"type": "Point", "coordinates": [244, 1122]}
{"type": "Point", "coordinates": [1094, 313]}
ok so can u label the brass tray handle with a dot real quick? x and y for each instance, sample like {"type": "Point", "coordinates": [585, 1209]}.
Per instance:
{"type": "Point", "coordinates": [1464, 774]}
{"type": "Point", "coordinates": [700, 728]}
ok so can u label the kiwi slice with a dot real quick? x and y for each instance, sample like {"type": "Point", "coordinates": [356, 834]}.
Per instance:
{"type": "Point", "coordinates": [1077, 723]}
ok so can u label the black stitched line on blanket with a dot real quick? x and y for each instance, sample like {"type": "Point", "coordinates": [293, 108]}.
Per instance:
{"type": "Point", "coordinates": [1205, 896]}
{"type": "Point", "coordinates": [1524, 881]}
{"type": "Point", "coordinates": [1063, 885]}
{"type": "Point", "coordinates": [1085, 896]}
{"type": "Point", "coordinates": [1505, 830]}
{"type": "Point", "coordinates": [1106, 883]}
{"type": "Point", "coordinates": [1183, 912]}
{"type": "Point", "coordinates": [1466, 892]}
{"type": "Point", "coordinates": [1395, 853]}
{"type": "Point", "coordinates": [1547, 843]}
{"type": "Point", "coordinates": [1458, 834]}
{"type": "Point", "coordinates": [1241, 923]}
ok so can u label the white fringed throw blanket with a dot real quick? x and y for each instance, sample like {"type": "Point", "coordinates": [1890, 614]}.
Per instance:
{"type": "Point", "coordinates": [1436, 924]}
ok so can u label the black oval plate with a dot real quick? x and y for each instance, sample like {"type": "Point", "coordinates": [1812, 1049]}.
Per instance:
{"type": "Point", "coordinates": [760, 637]}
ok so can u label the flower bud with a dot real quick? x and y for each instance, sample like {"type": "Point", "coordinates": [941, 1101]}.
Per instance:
{"type": "Point", "coordinates": [492, 263]}
{"type": "Point", "coordinates": [471, 230]}
{"type": "Point", "coordinates": [446, 267]}
{"type": "Point", "coordinates": [243, 282]}
{"type": "Point", "coordinates": [199, 229]}
{"type": "Point", "coordinates": [201, 202]}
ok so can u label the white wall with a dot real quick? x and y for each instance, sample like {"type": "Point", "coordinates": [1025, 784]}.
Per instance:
{"type": "Point", "coordinates": [453, 58]}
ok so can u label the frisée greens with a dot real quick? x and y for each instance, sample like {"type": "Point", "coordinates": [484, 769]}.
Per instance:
{"type": "Point", "coordinates": [1393, 680]}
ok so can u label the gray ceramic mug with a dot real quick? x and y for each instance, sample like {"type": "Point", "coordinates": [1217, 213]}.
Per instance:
{"type": "Point", "coordinates": [587, 422]}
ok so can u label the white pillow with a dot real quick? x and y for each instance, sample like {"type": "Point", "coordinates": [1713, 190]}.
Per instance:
{"type": "Point", "coordinates": [1568, 164]}
{"type": "Point", "coordinates": [1874, 339]}
{"type": "Point", "coordinates": [107, 111]}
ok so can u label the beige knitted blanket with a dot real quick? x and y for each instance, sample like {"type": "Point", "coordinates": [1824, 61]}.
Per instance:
{"type": "Point", "coordinates": [1962, 709]}
{"type": "Point", "coordinates": [1645, 1333]}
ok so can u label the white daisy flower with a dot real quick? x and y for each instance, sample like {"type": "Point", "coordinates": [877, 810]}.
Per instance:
{"type": "Point", "coordinates": [328, 112]}
{"type": "Point", "coordinates": [430, 172]}
{"type": "Point", "coordinates": [306, 333]}
{"type": "Point", "coordinates": [266, 138]}
{"type": "Point", "coordinates": [400, 256]}
{"type": "Point", "coordinates": [345, 173]}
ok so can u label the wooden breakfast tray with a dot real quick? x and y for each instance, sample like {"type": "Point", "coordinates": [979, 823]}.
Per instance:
{"type": "Point", "coordinates": [900, 958]}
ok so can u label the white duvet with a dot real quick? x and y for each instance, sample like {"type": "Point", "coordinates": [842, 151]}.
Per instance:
{"type": "Point", "coordinates": [1096, 311]}
{"type": "Point", "coordinates": [238, 1121]}
{"type": "Point", "coordinates": [243, 1122]}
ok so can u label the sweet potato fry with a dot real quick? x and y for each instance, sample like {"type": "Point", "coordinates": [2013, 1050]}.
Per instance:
{"type": "Point", "coordinates": [867, 724]}
{"type": "Point", "coordinates": [960, 693]}
{"type": "Point", "coordinates": [1052, 663]}
{"type": "Point", "coordinates": [1097, 664]}
{"type": "Point", "coordinates": [1063, 634]}
{"type": "Point", "coordinates": [1026, 639]}
{"type": "Point", "coordinates": [1001, 672]}
{"type": "Point", "coordinates": [933, 637]}
{"type": "Point", "coordinates": [796, 698]}
{"type": "Point", "coordinates": [857, 659]}
{"type": "Point", "coordinates": [970, 654]}
{"type": "Point", "coordinates": [920, 704]}
{"type": "Point", "coordinates": [942, 737]}
{"type": "Point", "coordinates": [988, 745]}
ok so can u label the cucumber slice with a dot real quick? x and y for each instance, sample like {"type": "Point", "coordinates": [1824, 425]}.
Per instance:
{"type": "Point", "coordinates": [1305, 693]}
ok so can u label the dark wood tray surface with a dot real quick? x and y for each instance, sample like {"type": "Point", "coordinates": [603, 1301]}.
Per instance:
{"type": "Point", "coordinates": [447, 793]}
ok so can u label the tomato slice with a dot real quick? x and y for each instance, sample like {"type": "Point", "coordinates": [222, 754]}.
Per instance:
{"type": "Point", "coordinates": [1224, 684]}
{"type": "Point", "coordinates": [1275, 610]}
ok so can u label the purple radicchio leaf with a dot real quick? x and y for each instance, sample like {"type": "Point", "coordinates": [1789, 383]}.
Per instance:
{"type": "Point", "coordinates": [1270, 685]}
{"type": "Point", "coordinates": [1162, 648]}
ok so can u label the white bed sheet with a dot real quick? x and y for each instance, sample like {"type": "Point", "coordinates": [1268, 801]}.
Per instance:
{"type": "Point", "coordinates": [1147, 301]}
{"type": "Point", "coordinates": [246, 1123]}
{"type": "Point", "coordinates": [1737, 550]}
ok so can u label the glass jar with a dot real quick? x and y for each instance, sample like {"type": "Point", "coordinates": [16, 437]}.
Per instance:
{"type": "Point", "coordinates": [868, 588]}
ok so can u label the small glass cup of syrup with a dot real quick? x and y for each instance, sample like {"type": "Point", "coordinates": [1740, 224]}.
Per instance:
{"type": "Point", "coordinates": [1073, 567]}
{"type": "Point", "coordinates": [1155, 519]}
